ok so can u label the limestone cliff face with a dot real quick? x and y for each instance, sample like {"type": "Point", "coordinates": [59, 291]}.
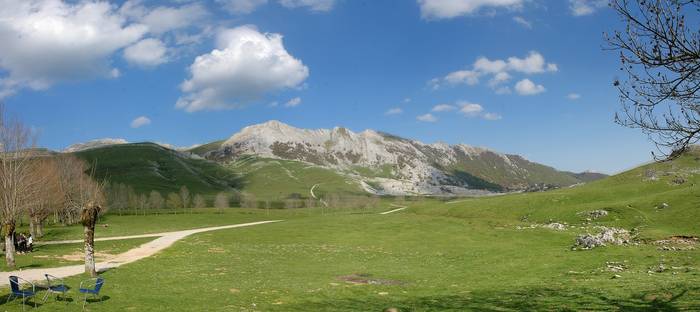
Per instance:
{"type": "Point", "coordinates": [389, 164]}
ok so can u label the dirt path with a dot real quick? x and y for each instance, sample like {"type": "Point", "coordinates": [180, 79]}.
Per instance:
{"type": "Point", "coordinates": [399, 208]}
{"type": "Point", "coordinates": [314, 195]}
{"type": "Point", "coordinates": [165, 240]}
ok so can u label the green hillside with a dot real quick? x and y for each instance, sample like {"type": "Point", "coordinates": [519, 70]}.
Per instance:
{"type": "Point", "coordinates": [634, 199]}
{"type": "Point", "coordinates": [278, 179]}
{"type": "Point", "coordinates": [148, 166]}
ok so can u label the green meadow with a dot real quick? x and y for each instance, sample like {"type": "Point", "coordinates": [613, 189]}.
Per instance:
{"type": "Point", "coordinates": [461, 254]}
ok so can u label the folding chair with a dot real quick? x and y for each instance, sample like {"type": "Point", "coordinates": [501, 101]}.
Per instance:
{"type": "Point", "coordinates": [55, 285]}
{"type": "Point", "coordinates": [16, 290]}
{"type": "Point", "coordinates": [96, 284]}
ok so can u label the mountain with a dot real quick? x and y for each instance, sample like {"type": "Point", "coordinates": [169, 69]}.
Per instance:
{"type": "Point", "coordinates": [386, 164]}
{"type": "Point", "coordinates": [94, 144]}
{"type": "Point", "coordinates": [149, 166]}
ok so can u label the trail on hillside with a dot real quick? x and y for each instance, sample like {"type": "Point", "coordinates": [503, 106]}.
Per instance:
{"type": "Point", "coordinates": [163, 241]}
{"type": "Point", "coordinates": [398, 208]}
{"type": "Point", "coordinates": [314, 195]}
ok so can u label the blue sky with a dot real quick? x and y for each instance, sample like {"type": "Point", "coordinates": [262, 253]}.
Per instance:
{"type": "Point", "coordinates": [342, 62]}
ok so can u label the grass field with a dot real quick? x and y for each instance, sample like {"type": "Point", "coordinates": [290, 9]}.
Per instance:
{"type": "Point", "coordinates": [475, 254]}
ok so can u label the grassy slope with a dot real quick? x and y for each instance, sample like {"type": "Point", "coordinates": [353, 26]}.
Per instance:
{"type": "Point", "coordinates": [447, 257]}
{"type": "Point", "coordinates": [277, 179]}
{"type": "Point", "coordinates": [147, 166]}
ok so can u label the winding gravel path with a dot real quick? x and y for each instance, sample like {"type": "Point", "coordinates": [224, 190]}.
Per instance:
{"type": "Point", "coordinates": [163, 241]}
{"type": "Point", "coordinates": [399, 208]}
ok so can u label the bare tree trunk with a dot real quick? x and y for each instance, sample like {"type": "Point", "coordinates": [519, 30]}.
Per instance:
{"type": "Point", "coordinates": [89, 231]}
{"type": "Point", "coordinates": [32, 227]}
{"type": "Point", "coordinates": [9, 231]}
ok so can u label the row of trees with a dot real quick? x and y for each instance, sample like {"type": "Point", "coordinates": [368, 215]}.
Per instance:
{"type": "Point", "coordinates": [38, 186]}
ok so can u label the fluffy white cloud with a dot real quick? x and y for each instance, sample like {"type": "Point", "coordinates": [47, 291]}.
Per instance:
{"type": "Point", "coordinates": [147, 52]}
{"type": "Point", "coordinates": [394, 111]}
{"type": "Point", "coordinates": [523, 22]}
{"type": "Point", "coordinates": [427, 118]}
{"type": "Point", "coordinates": [573, 96]}
{"type": "Point", "coordinates": [245, 65]}
{"type": "Point", "coordinates": [293, 102]}
{"type": "Point", "coordinates": [499, 70]}
{"type": "Point", "coordinates": [470, 109]}
{"type": "Point", "coordinates": [241, 6]}
{"type": "Point", "coordinates": [49, 41]}
{"type": "Point", "coordinates": [163, 19]}
{"type": "Point", "coordinates": [313, 5]}
{"type": "Point", "coordinates": [443, 108]}
{"type": "Point", "coordinates": [140, 121]}
{"type": "Point", "coordinates": [527, 87]}
{"type": "Point", "coordinates": [444, 9]}
{"type": "Point", "coordinates": [586, 7]}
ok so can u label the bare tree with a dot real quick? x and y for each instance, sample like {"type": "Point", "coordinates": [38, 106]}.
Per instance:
{"type": "Point", "coordinates": [185, 198]}
{"type": "Point", "coordinates": [85, 195]}
{"type": "Point", "coordinates": [143, 203]}
{"type": "Point", "coordinates": [221, 201]}
{"type": "Point", "coordinates": [155, 200]}
{"type": "Point", "coordinates": [660, 55]}
{"type": "Point", "coordinates": [16, 181]}
{"type": "Point", "coordinates": [45, 197]}
{"type": "Point", "coordinates": [173, 202]}
{"type": "Point", "coordinates": [248, 200]}
{"type": "Point", "coordinates": [199, 201]}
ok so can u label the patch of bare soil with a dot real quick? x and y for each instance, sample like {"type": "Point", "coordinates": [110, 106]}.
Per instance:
{"type": "Point", "coordinates": [367, 279]}
{"type": "Point", "coordinates": [79, 256]}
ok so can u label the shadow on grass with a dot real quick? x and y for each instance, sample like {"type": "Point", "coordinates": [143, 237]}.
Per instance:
{"type": "Point", "coordinates": [537, 299]}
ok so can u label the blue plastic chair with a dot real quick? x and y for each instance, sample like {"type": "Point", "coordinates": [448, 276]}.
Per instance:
{"type": "Point", "coordinates": [96, 284]}
{"type": "Point", "coordinates": [16, 290]}
{"type": "Point", "coordinates": [55, 288]}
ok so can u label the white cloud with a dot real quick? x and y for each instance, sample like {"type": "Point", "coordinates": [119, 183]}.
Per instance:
{"type": "Point", "coordinates": [573, 96]}
{"type": "Point", "coordinates": [499, 78]}
{"type": "Point", "coordinates": [245, 65]}
{"type": "Point", "coordinates": [443, 108]}
{"type": "Point", "coordinates": [522, 21]}
{"type": "Point", "coordinates": [407, 100]}
{"type": "Point", "coordinates": [527, 87]}
{"type": "Point", "coordinates": [140, 122]}
{"type": "Point", "coordinates": [492, 116]}
{"type": "Point", "coordinates": [394, 111]}
{"type": "Point", "coordinates": [470, 109]}
{"type": "Point", "coordinates": [468, 77]}
{"type": "Point", "coordinates": [47, 42]}
{"type": "Point", "coordinates": [313, 5]}
{"type": "Point", "coordinates": [293, 102]}
{"type": "Point", "coordinates": [241, 6]}
{"type": "Point", "coordinates": [163, 19]}
{"type": "Point", "coordinates": [533, 63]}
{"type": "Point", "coordinates": [147, 52]}
{"type": "Point", "coordinates": [586, 7]}
{"type": "Point", "coordinates": [427, 118]}
{"type": "Point", "coordinates": [445, 9]}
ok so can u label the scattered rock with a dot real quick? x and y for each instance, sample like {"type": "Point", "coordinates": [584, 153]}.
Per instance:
{"type": "Point", "coordinates": [366, 279]}
{"type": "Point", "coordinates": [616, 276]}
{"type": "Point", "coordinates": [660, 268]}
{"type": "Point", "coordinates": [677, 243]}
{"type": "Point", "coordinates": [612, 236]}
{"type": "Point", "coordinates": [556, 226]}
{"type": "Point", "coordinates": [615, 267]}
{"type": "Point", "coordinates": [594, 214]}
{"type": "Point", "coordinates": [662, 206]}
{"type": "Point", "coordinates": [678, 180]}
